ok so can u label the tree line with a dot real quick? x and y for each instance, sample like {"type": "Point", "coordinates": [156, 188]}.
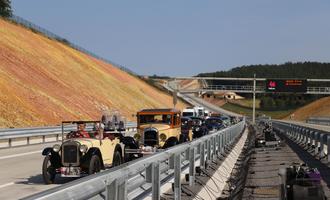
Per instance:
{"type": "Point", "coordinates": [5, 8]}
{"type": "Point", "coordinates": [282, 101]}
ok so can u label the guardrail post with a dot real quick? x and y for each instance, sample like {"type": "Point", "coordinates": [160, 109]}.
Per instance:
{"type": "Point", "coordinates": [111, 189]}
{"type": "Point", "coordinates": [214, 146]}
{"type": "Point", "coordinates": [328, 147]}
{"type": "Point", "coordinates": [171, 161]}
{"type": "Point", "coordinates": [191, 166]}
{"type": "Point", "coordinates": [309, 139]}
{"type": "Point", "coordinates": [153, 177]}
{"type": "Point", "coordinates": [317, 139]}
{"type": "Point", "coordinates": [177, 177]}
{"type": "Point", "coordinates": [219, 144]}
{"type": "Point", "coordinates": [321, 145]}
{"type": "Point", "coordinates": [122, 190]}
{"type": "Point", "coordinates": [208, 142]}
{"type": "Point", "coordinates": [202, 155]}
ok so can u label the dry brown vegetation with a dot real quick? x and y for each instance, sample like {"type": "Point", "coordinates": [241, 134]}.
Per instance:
{"type": "Point", "coordinates": [43, 82]}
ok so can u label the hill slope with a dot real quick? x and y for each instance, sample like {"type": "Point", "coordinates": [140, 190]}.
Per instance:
{"type": "Point", "coordinates": [43, 81]}
{"type": "Point", "coordinates": [318, 108]}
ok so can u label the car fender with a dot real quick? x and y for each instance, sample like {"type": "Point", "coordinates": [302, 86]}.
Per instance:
{"type": "Point", "coordinates": [47, 151]}
{"type": "Point", "coordinates": [129, 141]}
{"type": "Point", "coordinates": [170, 141]}
{"type": "Point", "coordinates": [119, 148]}
{"type": "Point", "coordinates": [93, 151]}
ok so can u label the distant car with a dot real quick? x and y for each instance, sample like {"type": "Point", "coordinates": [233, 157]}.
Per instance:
{"type": "Point", "coordinates": [214, 124]}
{"type": "Point", "coordinates": [199, 127]}
{"type": "Point", "coordinates": [87, 150]}
{"type": "Point", "coordinates": [226, 120]}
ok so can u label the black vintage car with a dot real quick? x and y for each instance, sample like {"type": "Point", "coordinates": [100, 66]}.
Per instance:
{"type": "Point", "coordinates": [214, 124]}
{"type": "Point", "coordinates": [199, 127]}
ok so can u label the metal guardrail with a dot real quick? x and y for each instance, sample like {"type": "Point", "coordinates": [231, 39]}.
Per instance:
{"type": "Point", "coordinates": [136, 179]}
{"type": "Point", "coordinates": [319, 120]}
{"type": "Point", "coordinates": [37, 135]}
{"type": "Point", "coordinates": [315, 141]}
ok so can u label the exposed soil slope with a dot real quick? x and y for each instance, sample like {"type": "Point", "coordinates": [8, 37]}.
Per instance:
{"type": "Point", "coordinates": [43, 81]}
{"type": "Point", "coordinates": [318, 108]}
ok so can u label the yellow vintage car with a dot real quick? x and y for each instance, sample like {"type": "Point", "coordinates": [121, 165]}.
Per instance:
{"type": "Point", "coordinates": [160, 128]}
{"type": "Point", "coordinates": [87, 150]}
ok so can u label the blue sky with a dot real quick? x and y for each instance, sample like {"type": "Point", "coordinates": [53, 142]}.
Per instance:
{"type": "Point", "coordinates": [186, 37]}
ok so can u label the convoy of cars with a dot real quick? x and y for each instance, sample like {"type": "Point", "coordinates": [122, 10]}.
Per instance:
{"type": "Point", "coordinates": [97, 145]}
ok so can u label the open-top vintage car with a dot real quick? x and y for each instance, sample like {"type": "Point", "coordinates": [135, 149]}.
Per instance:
{"type": "Point", "coordinates": [87, 150]}
{"type": "Point", "coordinates": [158, 128]}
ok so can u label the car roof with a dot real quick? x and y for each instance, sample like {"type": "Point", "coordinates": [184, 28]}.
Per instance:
{"type": "Point", "coordinates": [159, 110]}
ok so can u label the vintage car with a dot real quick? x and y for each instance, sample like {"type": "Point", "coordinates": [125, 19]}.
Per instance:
{"type": "Point", "coordinates": [214, 124]}
{"type": "Point", "coordinates": [158, 128]}
{"type": "Point", "coordinates": [199, 128]}
{"type": "Point", "coordinates": [86, 150]}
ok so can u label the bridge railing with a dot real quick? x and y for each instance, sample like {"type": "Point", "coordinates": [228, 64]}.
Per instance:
{"type": "Point", "coordinates": [142, 177]}
{"type": "Point", "coordinates": [317, 142]}
{"type": "Point", "coordinates": [37, 135]}
{"type": "Point", "coordinates": [319, 120]}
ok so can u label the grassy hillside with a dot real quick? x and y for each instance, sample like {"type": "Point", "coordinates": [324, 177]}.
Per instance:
{"type": "Point", "coordinates": [43, 81]}
{"type": "Point", "coordinates": [280, 114]}
{"type": "Point", "coordinates": [318, 108]}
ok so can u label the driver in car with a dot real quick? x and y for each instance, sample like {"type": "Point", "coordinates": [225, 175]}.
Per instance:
{"type": "Point", "coordinates": [81, 132]}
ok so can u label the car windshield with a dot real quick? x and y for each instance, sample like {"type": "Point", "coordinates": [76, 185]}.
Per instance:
{"type": "Point", "coordinates": [213, 121]}
{"type": "Point", "coordinates": [163, 119]}
{"type": "Point", "coordinates": [187, 114]}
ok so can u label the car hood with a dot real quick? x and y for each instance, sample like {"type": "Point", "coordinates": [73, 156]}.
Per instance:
{"type": "Point", "coordinates": [89, 142]}
{"type": "Point", "coordinates": [159, 127]}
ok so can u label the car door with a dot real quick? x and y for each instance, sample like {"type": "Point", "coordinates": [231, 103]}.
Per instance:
{"type": "Point", "coordinates": [107, 149]}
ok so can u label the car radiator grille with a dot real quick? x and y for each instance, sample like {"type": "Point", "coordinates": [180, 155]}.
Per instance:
{"type": "Point", "coordinates": [150, 138]}
{"type": "Point", "coordinates": [70, 154]}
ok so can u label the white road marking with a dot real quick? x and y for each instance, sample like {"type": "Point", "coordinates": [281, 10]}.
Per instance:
{"type": "Point", "coordinates": [7, 184]}
{"type": "Point", "coordinates": [20, 154]}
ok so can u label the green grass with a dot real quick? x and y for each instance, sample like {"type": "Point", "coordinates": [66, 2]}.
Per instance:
{"type": "Point", "coordinates": [247, 103]}
{"type": "Point", "coordinates": [279, 114]}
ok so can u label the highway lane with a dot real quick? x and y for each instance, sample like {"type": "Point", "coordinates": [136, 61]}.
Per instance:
{"type": "Point", "coordinates": [21, 171]}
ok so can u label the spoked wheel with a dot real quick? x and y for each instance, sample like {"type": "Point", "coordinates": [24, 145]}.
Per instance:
{"type": "Point", "coordinates": [48, 171]}
{"type": "Point", "coordinates": [94, 165]}
{"type": "Point", "coordinates": [116, 159]}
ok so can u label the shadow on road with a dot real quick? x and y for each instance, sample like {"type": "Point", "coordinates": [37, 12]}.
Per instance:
{"type": "Point", "coordinates": [38, 180]}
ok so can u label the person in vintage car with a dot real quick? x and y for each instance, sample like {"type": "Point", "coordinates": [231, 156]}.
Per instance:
{"type": "Point", "coordinates": [158, 128]}
{"type": "Point", "coordinates": [85, 151]}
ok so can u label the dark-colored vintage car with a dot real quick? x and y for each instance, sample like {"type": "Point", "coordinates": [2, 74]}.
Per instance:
{"type": "Point", "coordinates": [199, 127]}
{"type": "Point", "coordinates": [214, 124]}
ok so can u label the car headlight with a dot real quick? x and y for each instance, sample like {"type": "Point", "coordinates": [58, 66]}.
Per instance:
{"type": "Point", "coordinates": [137, 136]}
{"type": "Point", "coordinates": [56, 148]}
{"type": "Point", "coordinates": [162, 137]}
{"type": "Point", "coordinates": [83, 148]}
{"type": "Point", "coordinates": [197, 129]}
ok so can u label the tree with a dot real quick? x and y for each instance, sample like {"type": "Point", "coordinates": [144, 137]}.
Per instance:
{"type": "Point", "coordinates": [5, 8]}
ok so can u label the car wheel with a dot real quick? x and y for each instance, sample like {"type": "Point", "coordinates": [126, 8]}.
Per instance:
{"type": "Point", "coordinates": [48, 171]}
{"type": "Point", "coordinates": [94, 165]}
{"type": "Point", "coordinates": [116, 159]}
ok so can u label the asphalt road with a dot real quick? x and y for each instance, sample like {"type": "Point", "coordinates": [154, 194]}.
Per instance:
{"type": "Point", "coordinates": [21, 172]}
